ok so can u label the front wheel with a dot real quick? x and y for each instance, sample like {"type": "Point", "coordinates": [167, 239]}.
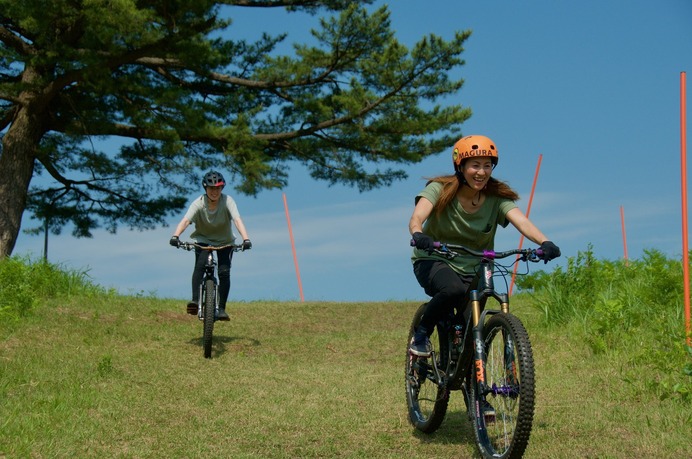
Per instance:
{"type": "Point", "coordinates": [502, 393]}
{"type": "Point", "coordinates": [427, 400]}
{"type": "Point", "coordinates": [209, 305]}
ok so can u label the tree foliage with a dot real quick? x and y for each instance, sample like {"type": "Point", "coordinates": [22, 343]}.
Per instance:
{"type": "Point", "coordinates": [161, 80]}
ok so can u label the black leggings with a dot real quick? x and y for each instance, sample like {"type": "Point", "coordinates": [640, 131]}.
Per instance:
{"type": "Point", "coordinates": [446, 287]}
{"type": "Point", "coordinates": [223, 257]}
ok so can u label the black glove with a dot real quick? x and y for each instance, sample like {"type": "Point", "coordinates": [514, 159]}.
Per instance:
{"type": "Point", "coordinates": [550, 251]}
{"type": "Point", "coordinates": [423, 242]}
{"type": "Point", "coordinates": [175, 242]}
{"type": "Point", "coordinates": [247, 245]}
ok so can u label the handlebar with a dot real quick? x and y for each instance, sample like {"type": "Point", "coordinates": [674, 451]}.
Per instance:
{"type": "Point", "coordinates": [452, 250]}
{"type": "Point", "coordinates": [193, 245]}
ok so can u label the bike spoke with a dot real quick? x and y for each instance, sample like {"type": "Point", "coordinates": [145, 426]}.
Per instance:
{"type": "Point", "coordinates": [508, 388]}
{"type": "Point", "coordinates": [427, 399]}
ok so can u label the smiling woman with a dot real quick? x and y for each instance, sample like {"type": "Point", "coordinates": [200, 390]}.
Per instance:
{"type": "Point", "coordinates": [213, 227]}
{"type": "Point", "coordinates": [464, 209]}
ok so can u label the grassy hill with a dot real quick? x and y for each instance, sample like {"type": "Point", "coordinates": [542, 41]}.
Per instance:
{"type": "Point", "coordinates": [112, 376]}
{"type": "Point", "coordinates": [87, 373]}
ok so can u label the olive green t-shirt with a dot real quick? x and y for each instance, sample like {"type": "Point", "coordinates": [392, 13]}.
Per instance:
{"type": "Point", "coordinates": [213, 227]}
{"type": "Point", "coordinates": [456, 226]}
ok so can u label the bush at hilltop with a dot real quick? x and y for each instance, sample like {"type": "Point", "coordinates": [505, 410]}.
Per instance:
{"type": "Point", "coordinates": [25, 283]}
{"type": "Point", "coordinates": [631, 309]}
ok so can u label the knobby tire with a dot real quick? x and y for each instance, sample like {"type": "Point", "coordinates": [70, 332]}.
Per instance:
{"type": "Point", "coordinates": [510, 383]}
{"type": "Point", "coordinates": [427, 401]}
{"type": "Point", "coordinates": [208, 316]}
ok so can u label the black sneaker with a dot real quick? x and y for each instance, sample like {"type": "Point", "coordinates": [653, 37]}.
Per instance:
{"type": "Point", "coordinates": [420, 345]}
{"type": "Point", "coordinates": [192, 308]}
{"type": "Point", "coordinates": [223, 315]}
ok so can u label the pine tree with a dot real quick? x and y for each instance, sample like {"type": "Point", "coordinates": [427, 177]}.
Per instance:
{"type": "Point", "coordinates": [117, 107]}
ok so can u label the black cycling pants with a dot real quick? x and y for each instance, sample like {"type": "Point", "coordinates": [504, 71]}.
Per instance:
{"type": "Point", "coordinates": [446, 287]}
{"type": "Point", "coordinates": [223, 257]}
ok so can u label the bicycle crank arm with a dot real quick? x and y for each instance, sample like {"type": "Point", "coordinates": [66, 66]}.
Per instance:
{"type": "Point", "coordinates": [439, 374]}
{"type": "Point", "coordinates": [430, 372]}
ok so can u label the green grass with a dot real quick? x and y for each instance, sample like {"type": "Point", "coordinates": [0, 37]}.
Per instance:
{"type": "Point", "coordinates": [125, 377]}
{"type": "Point", "coordinates": [87, 373]}
{"type": "Point", "coordinates": [25, 283]}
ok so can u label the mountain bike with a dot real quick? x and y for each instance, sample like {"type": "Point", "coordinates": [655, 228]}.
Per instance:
{"type": "Point", "coordinates": [208, 307]}
{"type": "Point", "coordinates": [484, 353]}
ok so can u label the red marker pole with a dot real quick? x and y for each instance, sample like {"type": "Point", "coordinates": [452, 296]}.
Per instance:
{"type": "Point", "coordinates": [683, 175]}
{"type": "Point", "coordinates": [293, 248]}
{"type": "Point", "coordinates": [624, 233]}
{"type": "Point", "coordinates": [528, 211]}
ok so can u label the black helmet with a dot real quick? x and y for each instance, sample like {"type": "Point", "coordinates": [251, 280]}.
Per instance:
{"type": "Point", "coordinates": [213, 178]}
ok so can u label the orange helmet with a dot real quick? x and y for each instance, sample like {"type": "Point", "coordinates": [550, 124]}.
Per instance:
{"type": "Point", "coordinates": [473, 146]}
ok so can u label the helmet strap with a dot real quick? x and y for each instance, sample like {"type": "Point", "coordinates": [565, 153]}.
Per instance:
{"type": "Point", "coordinates": [460, 177]}
{"type": "Point", "coordinates": [476, 199]}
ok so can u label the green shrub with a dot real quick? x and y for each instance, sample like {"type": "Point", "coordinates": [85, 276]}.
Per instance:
{"type": "Point", "coordinates": [630, 309]}
{"type": "Point", "coordinates": [25, 283]}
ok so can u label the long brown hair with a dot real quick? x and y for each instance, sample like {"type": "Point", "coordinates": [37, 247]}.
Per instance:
{"type": "Point", "coordinates": [451, 184]}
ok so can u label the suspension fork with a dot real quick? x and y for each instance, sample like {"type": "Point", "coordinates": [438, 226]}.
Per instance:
{"type": "Point", "coordinates": [478, 319]}
{"type": "Point", "coordinates": [478, 348]}
{"type": "Point", "coordinates": [209, 269]}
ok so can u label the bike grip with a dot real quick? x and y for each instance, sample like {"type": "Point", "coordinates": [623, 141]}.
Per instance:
{"type": "Point", "coordinates": [539, 252]}
{"type": "Point", "coordinates": [437, 245]}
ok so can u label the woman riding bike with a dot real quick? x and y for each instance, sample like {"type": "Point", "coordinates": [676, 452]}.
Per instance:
{"type": "Point", "coordinates": [212, 213]}
{"type": "Point", "coordinates": [464, 209]}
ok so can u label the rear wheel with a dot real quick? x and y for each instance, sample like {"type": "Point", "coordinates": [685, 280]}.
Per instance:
{"type": "Point", "coordinates": [208, 316]}
{"type": "Point", "coordinates": [427, 401]}
{"type": "Point", "coordinates": [502, 405]}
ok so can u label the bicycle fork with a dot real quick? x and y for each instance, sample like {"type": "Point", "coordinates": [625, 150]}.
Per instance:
{"type": "Point", "coordinates": [203, 300]}
{"type": "Point", "coordinates": [208, 275]}
{"type": "Point", "coordinates": [479, 354]}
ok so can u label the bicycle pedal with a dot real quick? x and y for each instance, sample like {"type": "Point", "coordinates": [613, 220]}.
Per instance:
{"type": "Point", "coordinates": [192, 308]}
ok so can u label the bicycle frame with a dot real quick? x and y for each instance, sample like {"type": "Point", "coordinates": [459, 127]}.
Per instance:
{"type": "Point", "coordinates": [475, 303]}
{"type": "Point", "coordinates": [482, 288]}
{"type": "Point", "coordinates": [209, 274]}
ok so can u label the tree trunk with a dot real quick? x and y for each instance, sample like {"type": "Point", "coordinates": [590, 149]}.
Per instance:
{"type": "Point", "coordinates": [19, 148]}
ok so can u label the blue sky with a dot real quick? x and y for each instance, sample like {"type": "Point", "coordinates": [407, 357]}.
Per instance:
{"type": "Point", "coordinates": [593, 86]}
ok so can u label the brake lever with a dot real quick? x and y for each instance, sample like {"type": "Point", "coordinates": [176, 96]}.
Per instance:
{"type": "Point", "coordinates": [535, 255]}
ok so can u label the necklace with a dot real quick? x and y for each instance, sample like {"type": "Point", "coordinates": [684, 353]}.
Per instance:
{"type": "Point", "coordinates": [476, 199]}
